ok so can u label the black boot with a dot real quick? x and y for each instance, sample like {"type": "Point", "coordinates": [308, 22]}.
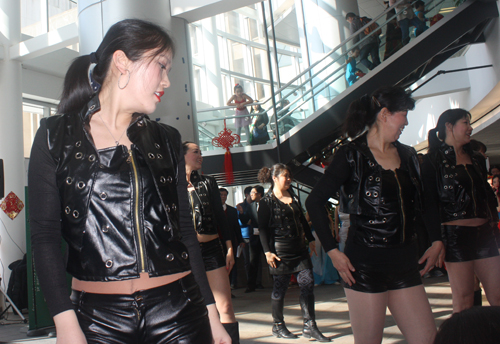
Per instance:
{"type": "Point", "coordinates": [280, 331]}
{"type": "Point", "coordinates": [233, 332]}
{"type": "Point", "coordinates": [478, 298]}
{"type": "Point", "coordinates": [279, 328]}
{"type": "Point", "coordinates": [310, 328]}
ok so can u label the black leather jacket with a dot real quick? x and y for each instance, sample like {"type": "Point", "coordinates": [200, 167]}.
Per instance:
{"type": "Point", "coordinates": [280, 226]}
{"type": "Point", "coordinates": [361, 195]}
{"type": "Point", "coordinates": [455, 200]}
{"type": "Point", "coordinates": [208, 206]}
{"type": "Point", "coordinates": [118, 224]}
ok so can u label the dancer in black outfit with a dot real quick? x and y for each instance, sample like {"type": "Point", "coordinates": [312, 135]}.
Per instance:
{"type": "Point", "coordinates": [283, 229]}
{"type": "Point", "coordinates": [112, 183]}
{"type": "Point", "coordinates": [378, 179]}
{"type": "Point", "coordinates": [460, 202]}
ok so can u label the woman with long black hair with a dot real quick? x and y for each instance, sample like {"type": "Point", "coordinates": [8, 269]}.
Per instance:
{"type": "Point", "coordinates": [112, 183]}
{"type": "Point", "coordinates": [460, 202]}
{"type": "Point", "coordinates": [283, 229]}
{"type": "Point", "coordinates": [378, 180]}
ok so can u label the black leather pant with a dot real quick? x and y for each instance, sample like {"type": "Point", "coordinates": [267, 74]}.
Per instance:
{"type": "Point", "coordinates": [173, 313]}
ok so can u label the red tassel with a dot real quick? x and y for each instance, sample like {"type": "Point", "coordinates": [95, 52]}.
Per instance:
{"type": "Point", "coordinates": [228, 167]}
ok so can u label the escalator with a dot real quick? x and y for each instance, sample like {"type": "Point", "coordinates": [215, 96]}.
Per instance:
{"type": "Point", "coordinates": [462, 27]}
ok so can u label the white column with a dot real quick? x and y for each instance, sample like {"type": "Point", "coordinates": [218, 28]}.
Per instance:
{"type": "Point", "coordinates": [12, 232]}
{"type": "Point", "coordinates": [95, 17]}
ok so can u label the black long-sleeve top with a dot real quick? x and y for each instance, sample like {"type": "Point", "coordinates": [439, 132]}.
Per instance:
{"type": "Point", "coordinates": [292, 220]}
{"type": "Point", "coordinates": [45, 224]}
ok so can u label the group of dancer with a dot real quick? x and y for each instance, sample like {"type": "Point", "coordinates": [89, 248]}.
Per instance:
{"type": "Point", "coordinates": [141, 224]}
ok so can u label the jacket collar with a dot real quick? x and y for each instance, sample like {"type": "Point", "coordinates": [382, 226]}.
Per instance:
{"type": "Point", "coordinates": [94, 105]}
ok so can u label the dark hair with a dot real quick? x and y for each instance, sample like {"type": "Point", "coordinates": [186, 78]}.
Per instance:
{"type": "Point", "coordinates": [363, 112]}
{"type": "Point", "coordinates": [185, 146]}
{"type": "Point", "coordinates": [476, 325]}
{"type": "Point", "coordinates": [438, 134]}
{"type": "Point", "coordinates": [224, 189]}
{"type": "Point", "coordinates": [247, 190]}
{"type": "Point", "coordinates": [266, 174]}
{"type": "Point", "coordinates": [350, 15]}
{"type": "Point", "coordinates": [417, 4]}
{"type": "Point", "coordinates": [236, 87]}
{"type": "Point", "coordinates": [495, 176]}
{"type": "Point", "coordinates": [494, 166]}
{"type": "Point", "coordinates": [259, 189]}
{"type": "Point", "coordinates": [259, 108]}
{"type": "Point", "coordinates": [133, 36]}
{"type": "Point", "coordinates": [478, 146]}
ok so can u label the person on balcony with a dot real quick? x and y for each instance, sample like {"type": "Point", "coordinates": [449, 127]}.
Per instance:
{"type": "Point", "coordinates": [406, 18]}
{"type": "Point", "coordinates": [283, 231]}
{"type": "Point", "coordinates": [461, 204]}
{"type": "Point", "coordinates": [207, 216]}
{"type": "Point", "coordinates": [378, 180]}
{"type": "Point", "coordinates": [368, 47]}
{"type": "Point", "coordinates": [243, 118]}
{"type": "Point", "coordinates": [259, 134]}
{"type": "Point", "coordinates": [110, 181]}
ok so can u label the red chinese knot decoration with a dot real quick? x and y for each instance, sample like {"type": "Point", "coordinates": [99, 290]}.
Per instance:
{"type": "Point", "coordinates": [12, 205]}
{"type": "Point", "coordinates": [226, 139]}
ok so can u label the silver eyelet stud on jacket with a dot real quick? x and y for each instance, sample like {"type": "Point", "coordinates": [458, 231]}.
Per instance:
{"type": "Point", "coordinates": [109, 263]}
{"type": "Point", "coordinates": [92, 157]}
{"type": "Point", "coordinates": [157, 146]}
{"type": "Point", "coordinates": [80, 185]}
{"type": "Point", "coordinates": [69, 180]}
{"type": "Point", "coordinates": [76, 214]}
{"type": "Point", "coordinates": [79, 155]}
{"type": "Point", "coordinates": [78, 143]}
{"type": "Point", "coordinates": [105, 229]}
{"type": "Point", "coordinates": [151, 155]}
{"type": "Point", "coordinates": [103, 196]}
{"type": "Point", "coordinates": [184, 255]}
{"type": "Point", "coordinates": [170, 257]}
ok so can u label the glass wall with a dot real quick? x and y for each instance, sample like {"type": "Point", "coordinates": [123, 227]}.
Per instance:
{"type": "Point", "coordinates": [290, 56]}
{"type": "Point", "coordinates": [41, 16]}
{"type": "Point", "coordinates": [237, 47]}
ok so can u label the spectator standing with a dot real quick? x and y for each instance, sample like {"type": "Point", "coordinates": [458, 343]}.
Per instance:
{"type": "Point", "coordinates": [255, 249]}
{"type": "Point", "coordinates": [368, 47]}
{"type": "Point", "coordinates": [406, 18]}
{"type": "Point", "coordinates": [235, 229]}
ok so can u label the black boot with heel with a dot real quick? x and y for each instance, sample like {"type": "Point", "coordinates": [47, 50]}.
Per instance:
{"type": "Point", "coordinates": [310, 328]}
{"type": "Point", "coordinates": [279, 327]}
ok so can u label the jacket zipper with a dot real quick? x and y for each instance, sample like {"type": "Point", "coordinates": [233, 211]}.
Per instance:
{"type": "Point", "coordinates": [472, 191]}
{"type": "Point", "coordinates": [192, 209]}
{"type": "Point", "coordinates": [294, 220]}
{"type": "Point", "coordinates": [136, 212]}
{"type": "Point", "coordinates": [402, 205]}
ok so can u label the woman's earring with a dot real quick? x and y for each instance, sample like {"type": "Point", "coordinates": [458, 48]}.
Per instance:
{"type": "Point", "coordinates": [119, 78]}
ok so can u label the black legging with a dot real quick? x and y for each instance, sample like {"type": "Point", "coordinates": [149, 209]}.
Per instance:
{"type": "Point", "coordinates": [305, 279]}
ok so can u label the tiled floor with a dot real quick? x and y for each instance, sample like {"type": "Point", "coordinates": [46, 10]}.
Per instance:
{"type": "Point", "coordinates": [253, 314]}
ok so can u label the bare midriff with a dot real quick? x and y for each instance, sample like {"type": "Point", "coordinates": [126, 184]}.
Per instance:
{"type": "Point", "coordinates": [475, 222]}
{"type": "Point", "coordinates": [206, 237]}
{"type": "Point", "coordinates": [126, 287]}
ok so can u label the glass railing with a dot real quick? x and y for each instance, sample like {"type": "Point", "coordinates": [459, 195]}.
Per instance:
{"type": "Point", "coordinates": [315, 86]}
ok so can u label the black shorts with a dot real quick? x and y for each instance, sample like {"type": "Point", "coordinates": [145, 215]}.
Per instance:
{"type": "Point", "coordinates": [213, 254]}
{"type": "Point", "coordinates": [171, 313]}
{"type": "Point", "coordinates": [464, 243]}
{"type": "Point", "coordinates": [379, 279]}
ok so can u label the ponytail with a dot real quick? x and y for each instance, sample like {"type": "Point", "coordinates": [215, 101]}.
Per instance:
{"type": "Point", "coordinates": [76, 89]}
{"type": "Point", "coordinates": [438, 134]}
{"type": "Point", "coordinates": [362, 113]}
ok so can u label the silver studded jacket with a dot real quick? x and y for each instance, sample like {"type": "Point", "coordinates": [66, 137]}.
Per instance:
{"type": "Point", "coordinates": [380, 223]}
{"type": "Point", "coordinates": [207, 205]}
{"type": "Point", "coordinates": [455, 200]}
{"type": "Point", "coordinates": [120, 207]}
{"type": "Point", "coordinates": [361, 195]}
